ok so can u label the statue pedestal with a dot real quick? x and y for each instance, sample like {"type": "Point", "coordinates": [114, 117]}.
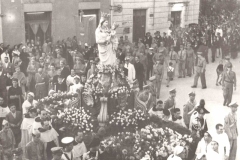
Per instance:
{"type": "Point", "coordinates": [103, 115]}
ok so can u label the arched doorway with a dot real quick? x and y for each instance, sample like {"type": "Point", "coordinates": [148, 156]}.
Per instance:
{"type": "Point", "coordinates": [38, 25]}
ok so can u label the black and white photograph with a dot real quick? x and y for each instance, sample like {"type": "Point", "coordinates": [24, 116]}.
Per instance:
{"type": "Point", "coordinates": [119, 79]}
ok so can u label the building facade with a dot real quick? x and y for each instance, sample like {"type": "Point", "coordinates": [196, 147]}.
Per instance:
{"type": "Point", "coordinates": [25, 20]}
{"type": "Point", "coordinates": [141, 16]}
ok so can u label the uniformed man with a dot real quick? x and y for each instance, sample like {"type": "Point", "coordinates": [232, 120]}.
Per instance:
{"type": "Point", "coordinates": [170, 102]}
{"type": "Point", "coordinates": [200, 71]}
{"type": "Point", "coordinates": [227, 62]}
{"type": "Point", "coordinates": [181, 62]}
{"type": "Point", "coordinates": [188, 107]}
{"type": "Point", "coordinates": [189, 59]}
{"type": "Point", "coordinates": [230, 126]}
{"type": "Point", "coordinates": [158, 73]}
{"type": "Point", "coordinates": [57, 153]}
{"type": "Point", "coordinates": [228, 82]}
{"type": "Point", "coordinates": [173, 56]}
{"type": "Point", "coordinates": [68, 147]}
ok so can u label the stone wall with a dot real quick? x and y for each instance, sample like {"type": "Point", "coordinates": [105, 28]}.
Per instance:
{"type": "Point", "coordinates": [159, 11]}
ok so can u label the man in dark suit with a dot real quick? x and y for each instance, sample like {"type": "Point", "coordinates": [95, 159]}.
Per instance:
{"type": "Point", "coordinates": [3, 82]}
{"type": "Point", "coordinates": [8, 66]}
{"type": "Point", "coordinates": [120, 55]}
{"type": "Point", "coordinates": [139, 72]}
{"type": "Point", "coordinates": [158, 38]}
{"type": "Point", "coordinates": [165, 40]}
{"type": "Point", "coordinates": [14, 119]}
{"type": "Point", "coordinates": [64, 70]}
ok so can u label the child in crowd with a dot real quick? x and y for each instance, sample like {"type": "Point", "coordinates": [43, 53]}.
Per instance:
{"type": "Point", "coordinates": [170, 71]}
{"type": "Point", "coordinates": [219, 73]}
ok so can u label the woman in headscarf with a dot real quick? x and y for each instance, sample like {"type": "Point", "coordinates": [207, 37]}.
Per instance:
{"type": "Point", "coordinates": [26, 127]}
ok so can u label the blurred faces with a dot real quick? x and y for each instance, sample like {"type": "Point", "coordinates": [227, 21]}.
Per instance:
{"type": "Point", "coordinates": [43, 114]}
{"type": "Point", "coordinates": [192, 98]}
{"type": "Point", "coordinates": [136, 59]}
{"type": "Point", "coordinates": [15, 83]}
{"type": "Point", "coordinates": [72, 72]}
{"type": "Point", "coordinates": [6, 59]}
{"type": "Point", "coordinates": [13, 108]}
{"type": "Point", "coordinates": [36, 138]}
{"type": "Point", "coordinates": [220, 130]}
{"type": "Point", "coordinates": [207, 137]}
{"type": "Point", "coordinates": [40, 70]}
{"type": "Point", "coordinates": [17, 69]}
{"type": "Point", "coordinates": [214, 146]}
{"type": "Point", "coordinates": [30, 98]}
{"type": "Point", "coordinates": [177, 114]}
{"type": "Point", "coordinates": [234, 109]}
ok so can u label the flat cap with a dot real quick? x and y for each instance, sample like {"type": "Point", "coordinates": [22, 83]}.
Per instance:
{"type": "Point", "coordinates": [172, 90]}
{"type": "Point", "coordinates": [67, 140]}
{"type": "Point", "coordinates": [56, 150]}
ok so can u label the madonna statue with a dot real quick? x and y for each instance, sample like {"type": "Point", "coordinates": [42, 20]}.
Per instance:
{"type": "Point", "coordinates": [107, 41]}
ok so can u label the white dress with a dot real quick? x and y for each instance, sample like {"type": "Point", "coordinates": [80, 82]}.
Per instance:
{"type": "Point", "coordinates": [107, 54]}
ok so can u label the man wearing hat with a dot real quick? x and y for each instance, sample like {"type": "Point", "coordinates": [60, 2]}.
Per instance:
{"type": "Point", "coordinates": [28, 102]}
{"type": "Point", "coordinates": [198, 124]}
{"type": "Point", "coordinates": [35, 148]}
{"type": "Point", "coordinates": [188, 107]}
{"type": "Point", "coordinates": [230, 127]}
{"type": "Point", "coordinates": [227, 63]}
{"type": "Point", "coordinates": [57, 153]}
{"type": "Point", "coordinates": [190, 56]}
{"type": "Point", "coordinates": [229, 81]}
{"type": "Point", "coordinates": [170, 103]}
{"type": "Point", "coordinates": [200, 71]}
{"type": "Point", "coordinates": [7, 140]}
{"type": "Point", "coordinates": [67, 149]}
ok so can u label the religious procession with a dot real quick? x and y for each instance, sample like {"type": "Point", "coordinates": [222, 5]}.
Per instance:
{"type": "Point", "coordinates": [114, 92]}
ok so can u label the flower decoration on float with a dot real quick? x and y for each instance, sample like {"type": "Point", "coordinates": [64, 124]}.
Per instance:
{"type": "Point", "coordinates": [147, 143]}
{"type": "Point", "coordinates": [77, 118]}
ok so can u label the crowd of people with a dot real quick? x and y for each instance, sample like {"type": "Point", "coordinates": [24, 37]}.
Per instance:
{"type": "Point", "coordinates": [31, 71]}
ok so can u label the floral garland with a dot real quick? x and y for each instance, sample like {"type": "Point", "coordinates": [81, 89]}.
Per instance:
{"type": "Point", "coordinates": [128, 120]}
{"type": "Point", "coordinates": [147, 143]}
{"type": "Point", "coordinates": [77, 118]}
{"type": "Point", "coordinates": [56, 101]}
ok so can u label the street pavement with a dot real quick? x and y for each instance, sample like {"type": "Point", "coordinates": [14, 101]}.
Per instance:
{"type": "Point", "coordinates": [213, 95]}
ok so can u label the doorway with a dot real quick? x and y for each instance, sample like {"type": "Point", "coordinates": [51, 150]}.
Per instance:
{"type": "Point", "coordinates": [38, 26]}
{"type": "Point", "coordinates": [139, 24]}
{"type": "Point", "coordinates": [176, 18]}
{"type": "Point", "coordinates": [88, 24]}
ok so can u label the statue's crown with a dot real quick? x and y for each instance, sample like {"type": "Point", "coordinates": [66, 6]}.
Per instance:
{"type": "Point", "coordinates": [105, 15]}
